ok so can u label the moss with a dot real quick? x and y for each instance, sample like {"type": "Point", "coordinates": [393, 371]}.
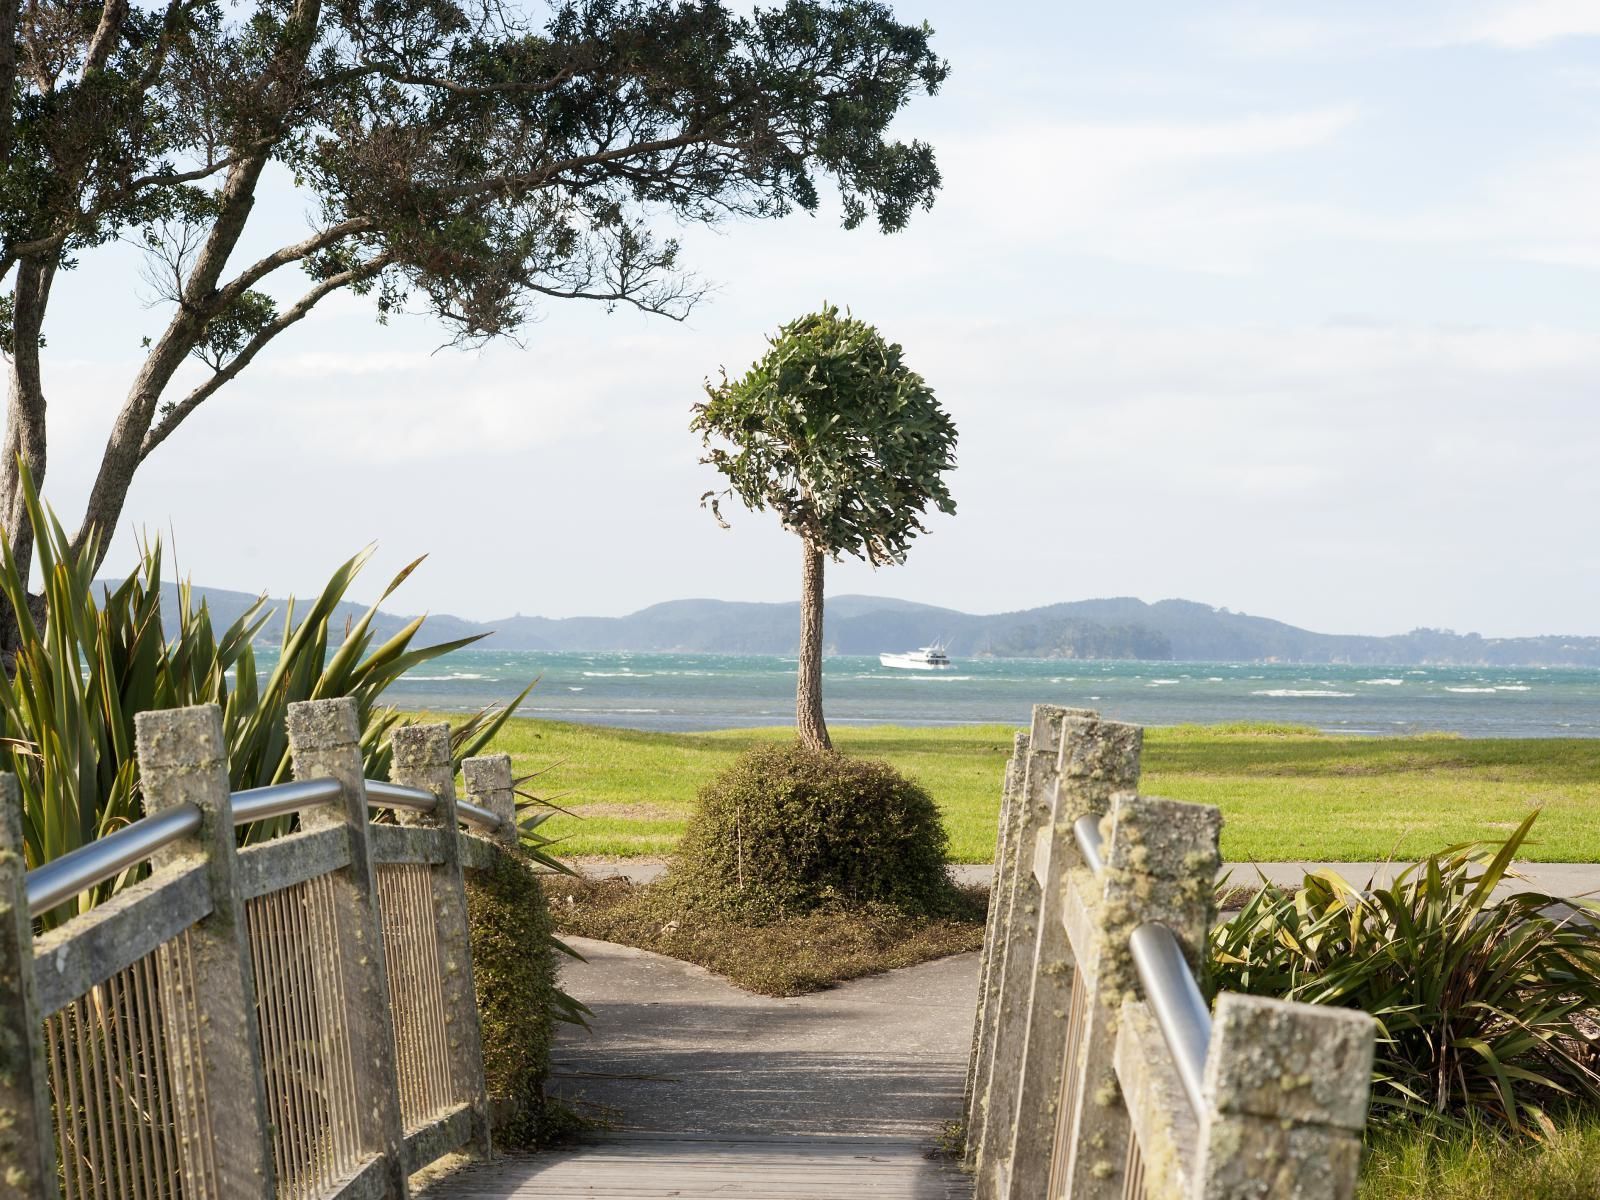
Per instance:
{"type": "Point", "coordinates": [515, 977]}
{"type": "Point", "coordinates": [788, 830]}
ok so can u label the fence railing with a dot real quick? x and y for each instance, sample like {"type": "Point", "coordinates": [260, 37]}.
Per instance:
{"type": "Point", "coordinates": [1098, 1070]}
{"type": "Point", "coordinates": [291, 1019]}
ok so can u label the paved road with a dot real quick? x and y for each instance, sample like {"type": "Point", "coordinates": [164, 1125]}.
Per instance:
{"type": "Point", "coordinates": [1557, 879]}
{"type": "Point", "coordinates": [832, 1096]}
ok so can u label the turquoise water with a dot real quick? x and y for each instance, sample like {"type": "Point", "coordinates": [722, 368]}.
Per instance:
{"type": "Point", "coordinates": [716, 691]}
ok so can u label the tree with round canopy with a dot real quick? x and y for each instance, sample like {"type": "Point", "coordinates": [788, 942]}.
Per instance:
{"type": "Point", "coordinates": [833, 432]}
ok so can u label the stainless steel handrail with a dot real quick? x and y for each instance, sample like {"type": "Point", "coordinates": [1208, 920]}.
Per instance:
{"type": "Point", "coordinates": [1180, 1009]}
{"type": "Point", "coordinates": [1086, 829]}
{"type": "Point", "coordinates": [281, 799]}
{"type": "Point", "coordinates": [393, 795]}
{"type": "Point", "coordinates": [478, 815]}
{"type": "Point", "coordinates": [60, 879]}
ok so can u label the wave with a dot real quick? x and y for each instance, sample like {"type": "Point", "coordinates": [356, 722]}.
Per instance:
{"type": "Point", "coordinates": [1298, 692]}
{"type": "Point", "coordinates": [1389, 682]}
{"type": "Point", "coordinates": [1489, 690]}
{"type": "Point", "coordinates": [618, 674]}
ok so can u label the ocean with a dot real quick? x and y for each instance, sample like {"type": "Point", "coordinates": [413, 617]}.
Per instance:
{"type": "Point", "coordinates": [722, 691]}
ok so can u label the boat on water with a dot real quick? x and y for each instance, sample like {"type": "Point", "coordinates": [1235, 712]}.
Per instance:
{"type": "Point", "coordinates": [927, 658]}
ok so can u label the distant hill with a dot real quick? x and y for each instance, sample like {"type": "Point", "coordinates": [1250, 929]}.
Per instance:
{"type": "Point", "coordinates": [1120, 627]}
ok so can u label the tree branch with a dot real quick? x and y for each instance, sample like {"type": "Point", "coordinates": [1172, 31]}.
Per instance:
{"type": "Point", "coordinates": [261, 268]}
{"type": "Point", "coordinates": [175, 415]}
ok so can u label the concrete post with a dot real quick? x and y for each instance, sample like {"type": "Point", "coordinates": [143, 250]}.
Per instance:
{"type": "Point", "coordinates": [489, 784]}
{"type": "Point", "coordinates": [208, 987]}
{"type": "Point", "coordinates": [324, 742]}
{"type": "Point", "coordinates": [1017, 968]}
{"type": "Point", "coordinates": [993, 945]}
{"type": "Point", "coordinates": [27, 1149]}
{"type": "Point", "coordinates": [1096, 760]}
{"type": "Point", "coordinates": [1286, 1090]}
{"type": "Point", "coordinates": [422, 760]}
{"type": "Point", "coordinates": [1161, 865]}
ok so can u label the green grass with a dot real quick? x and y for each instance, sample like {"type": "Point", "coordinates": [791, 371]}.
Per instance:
{"type": "Point", "coordinates": [1484, 1164]}
{"type": "Point", "coordinates": [1285, 792]}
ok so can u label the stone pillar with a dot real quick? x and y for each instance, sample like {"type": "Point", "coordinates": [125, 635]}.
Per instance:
{"type": "Point", "coordinates": [27, 1147]}
{"type": "Point", "coordinates": [490, 785]}
{"type": "Point", "coordinates": [422, 760]}
{"type": "Point", "coordinates": [1097, 759]}
{"type": "Point", "coordinates": [1286, 1090]}
{"type": "Point", "coordinates": [1035, 804]}
{"type": "Point", "coordinates": [993, 943]}
{"type": "Point", "coordinates": [208, 990]}
{"type": "Point", "coordinates": [324, 742]}
{"type": "Point", "coordinates": [1161, 865]}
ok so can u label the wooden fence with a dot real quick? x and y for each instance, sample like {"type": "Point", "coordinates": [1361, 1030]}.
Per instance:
{"type": "Point", "coordinates": [293, 1019]}
{"type": "Point", "coordinates": [1098, 1070]}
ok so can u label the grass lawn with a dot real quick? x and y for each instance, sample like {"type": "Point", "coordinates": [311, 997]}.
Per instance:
{"type": "Point", "coordinates": [1284, 794]}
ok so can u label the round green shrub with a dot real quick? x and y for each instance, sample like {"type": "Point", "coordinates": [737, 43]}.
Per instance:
{"type": "Point", "coordinates": [514, 973]}
{"type": "Point", "coordinates": [787, 829]}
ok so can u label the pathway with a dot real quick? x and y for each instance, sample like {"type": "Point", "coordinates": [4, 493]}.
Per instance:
{"type": "Point", "coordinates": [717, 1092]}
{"type": "Point", "coordinates": [1555, 879]}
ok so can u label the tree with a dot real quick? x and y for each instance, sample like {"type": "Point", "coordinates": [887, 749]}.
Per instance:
{"type": "Point", "coordinates": [834, 433]}
{"type": "Point", "coordinates": [462, 156]}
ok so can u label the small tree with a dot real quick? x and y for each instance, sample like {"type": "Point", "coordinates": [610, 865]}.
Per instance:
{"type": "Point", "coordinates": [849, 447]}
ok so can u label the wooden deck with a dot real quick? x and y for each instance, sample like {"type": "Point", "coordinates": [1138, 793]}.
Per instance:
{"type": "Point", "coordinates": [645, 1166]}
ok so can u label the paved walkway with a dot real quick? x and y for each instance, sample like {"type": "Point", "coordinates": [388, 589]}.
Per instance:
{"type": "Point", "coordinates": [1556, 879]}
{"type": "Point", "coordinates": [717, 1092]}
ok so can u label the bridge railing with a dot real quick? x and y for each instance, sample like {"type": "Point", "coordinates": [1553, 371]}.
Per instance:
{"type": "Point", "coordinates": [291, 1019]}
{"type": "Point", "coordinates": [1098, 1070]}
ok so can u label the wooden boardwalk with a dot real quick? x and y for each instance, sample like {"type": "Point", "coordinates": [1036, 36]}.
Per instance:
{"type": "Point", "coordinates": [644, 1166]}
{"type": "Point", "coordinates": [718, 1093]}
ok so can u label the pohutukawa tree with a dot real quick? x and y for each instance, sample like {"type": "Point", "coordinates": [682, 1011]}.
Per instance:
{"type": "Point", "coordinates": [833, 432]}
{"type": "Point", "coordinates": [469, 158]}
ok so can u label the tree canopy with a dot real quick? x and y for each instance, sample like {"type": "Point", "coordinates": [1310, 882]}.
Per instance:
{"type": "Point", "coordinates": [833, 432]}
{"type": "Point", "coordinates": [467, 157]}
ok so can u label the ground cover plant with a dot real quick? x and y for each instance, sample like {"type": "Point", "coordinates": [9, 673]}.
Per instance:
{"type": "Point", "coordinates": [802, 953]}
{"type": "Point", "coordinates": [1478, 1162]}
{"type": "Point", "coordinates": [1286, 793]}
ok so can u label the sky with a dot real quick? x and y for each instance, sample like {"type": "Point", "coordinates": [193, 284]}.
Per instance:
{"type": "Point", "coordinates": [1288, 308]}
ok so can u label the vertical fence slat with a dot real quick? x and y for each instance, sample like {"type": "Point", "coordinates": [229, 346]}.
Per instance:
{"type": "Point", "coordinates": [1096, 760]}
{"type": "Point", "coordinates": [1286, 1091]}
{"type": "Point", "coordinates": [27, 1145]}
{"type": "Point", "coordinates": [324, 742]}
{"type": "Point", "coordinates": [422, 760]}
{"type": "Point", "coordinates": [182, 759]}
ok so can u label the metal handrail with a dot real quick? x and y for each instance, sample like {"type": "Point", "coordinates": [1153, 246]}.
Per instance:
{"type": "Point", "coordinates": [281, 799]}
{"type": "Point", "coordinates": [1087, 830]}
{"type": "Point", "coordinates": [395, 795]}
{"type": "Point", "coordinates": [1169, 985]}
{"type": "Point", "coordinates": [1175, 998]}
{"type": "Point", "coordinates": [60, 879]}
{"type": "Point", "coordinates": [75, 872]}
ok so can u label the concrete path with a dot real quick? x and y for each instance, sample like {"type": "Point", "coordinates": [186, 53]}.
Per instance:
{"type": "Point", "coordinates": [1565, 880]}
{"type": "Point", "coordinates": [717, 1092]}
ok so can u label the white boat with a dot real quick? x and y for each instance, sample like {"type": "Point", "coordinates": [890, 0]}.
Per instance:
{"type": "Point", "coordinates": [928, 658]}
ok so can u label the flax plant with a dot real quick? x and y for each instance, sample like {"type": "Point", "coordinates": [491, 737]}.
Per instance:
{"type": "Point", "coordinates": [1485, 998]}
{"type": "Point", "coordinates": [98, 655]}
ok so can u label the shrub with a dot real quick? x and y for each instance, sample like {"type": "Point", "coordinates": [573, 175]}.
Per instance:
{"type": "Point", "coordinates": [514, 973]}
{"type": "Point", "coordinates": [787, 829]}
{"type": "Point", "coordinates": [1483, 1003]}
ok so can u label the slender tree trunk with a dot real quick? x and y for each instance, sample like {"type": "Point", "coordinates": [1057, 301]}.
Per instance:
{"type": "Point", "coordinates": [25, 422]}
{"type": "Point", "coordinates": [809, 725]}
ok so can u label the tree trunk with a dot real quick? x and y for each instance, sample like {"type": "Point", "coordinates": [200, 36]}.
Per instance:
{"type": "Point", "coordinates": [809, 725]}
{"type": "Point", "coordinates": [25, 423]}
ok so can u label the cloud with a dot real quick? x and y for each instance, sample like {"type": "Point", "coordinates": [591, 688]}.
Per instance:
{"type": "Point", "coordinates": [1529, 24]}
